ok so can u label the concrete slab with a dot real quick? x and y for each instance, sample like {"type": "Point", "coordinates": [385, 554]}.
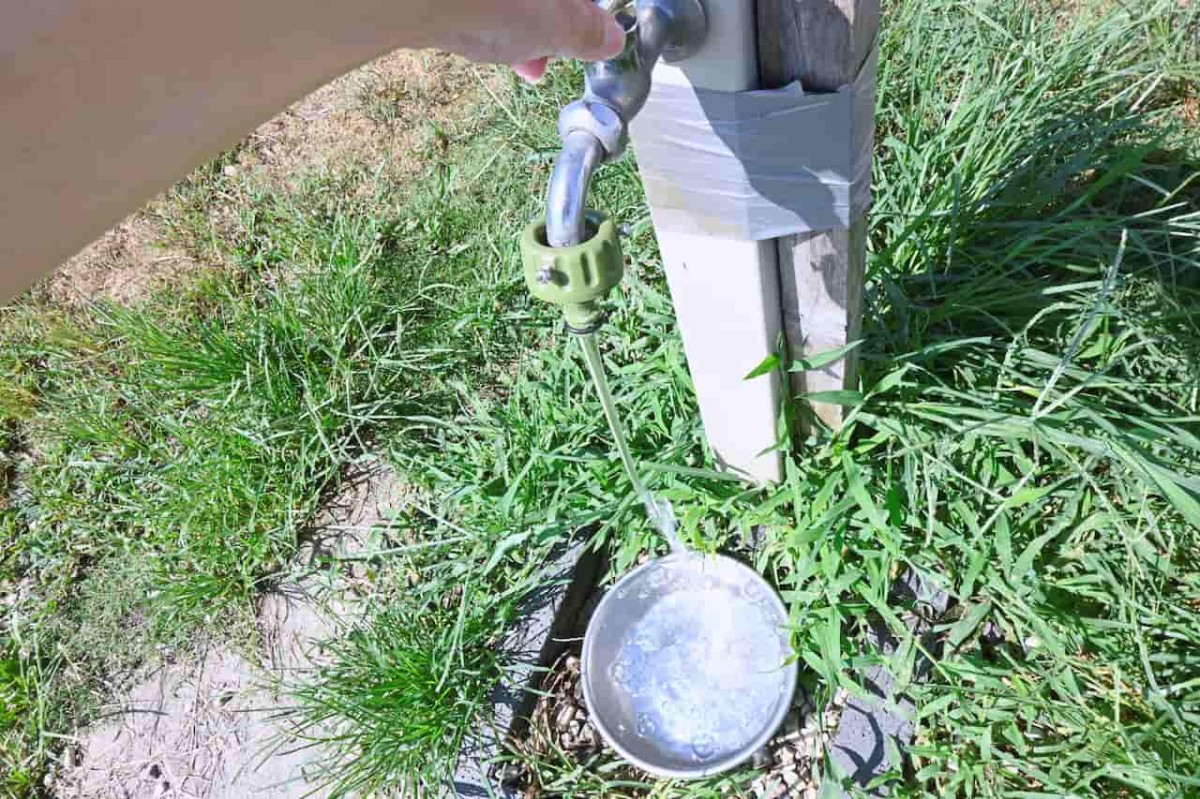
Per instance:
{"type": "Point", "coordinates": [877, 727]}
{"type": "Point", "coordinates": [548, 620]}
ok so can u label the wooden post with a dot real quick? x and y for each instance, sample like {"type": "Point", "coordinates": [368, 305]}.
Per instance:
{"type": "Point", "coordinates": [733, 296]}
{"type": "Point", "coordinates": [824, 44]}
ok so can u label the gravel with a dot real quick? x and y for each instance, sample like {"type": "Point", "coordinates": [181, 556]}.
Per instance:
{"type": "Point", "coordinates": [789, 757]}
{"type": "Point", "coordinates": [559, 727]}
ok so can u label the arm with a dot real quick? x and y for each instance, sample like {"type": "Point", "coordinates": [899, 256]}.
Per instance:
{"type": "Point", "coordinates": [107, 102]}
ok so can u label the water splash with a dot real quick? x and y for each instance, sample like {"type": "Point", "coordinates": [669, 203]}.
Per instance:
{"type": "Point", "coordinates": [699, 682]}
{"type": "Point", "coordinates": [704, 746]}
{"type": "Point", "coordinates": [659, 510]}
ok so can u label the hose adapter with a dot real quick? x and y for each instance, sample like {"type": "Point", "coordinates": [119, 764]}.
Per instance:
{"type": "Point", "coordinates": [576, 277]}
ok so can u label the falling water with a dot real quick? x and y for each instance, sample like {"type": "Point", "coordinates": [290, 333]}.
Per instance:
{"type": "Point", "coordinates": [661, 514]}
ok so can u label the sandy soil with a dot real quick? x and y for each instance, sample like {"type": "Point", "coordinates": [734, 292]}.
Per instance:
{"type": "Point", "coordinates": [124, 265]}
{"type": "Point", "coordinates": [382, 115]}
{"type": "Point", "coordinates": [214, 725]}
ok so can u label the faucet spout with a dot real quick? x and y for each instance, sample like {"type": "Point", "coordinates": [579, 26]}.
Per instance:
{"type": "Point", "coordinates": [595, 128]}
{"type": "Point", "coordinates": [567, 200]}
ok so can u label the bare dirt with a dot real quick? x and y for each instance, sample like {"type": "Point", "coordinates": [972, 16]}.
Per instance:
{"type": "Point", "coordinates": [127, 264]}
{"type": "Point", "coordinates": [214, 725]}
{"type": "Point", "coordinates": [390, 114]}
{"type": "Point", "coordinates": [1190, 110]}
{"type": "Point", "coordinates": [198, 728]}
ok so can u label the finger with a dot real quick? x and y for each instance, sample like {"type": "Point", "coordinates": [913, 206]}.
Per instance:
{"type": "Point", "coordinates": [531, 71]}
{"type": "Point", "coordinates": [588, 33]}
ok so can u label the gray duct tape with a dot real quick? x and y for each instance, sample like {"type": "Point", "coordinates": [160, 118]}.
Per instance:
{"type": "Point", "coordinates": [758, 164]}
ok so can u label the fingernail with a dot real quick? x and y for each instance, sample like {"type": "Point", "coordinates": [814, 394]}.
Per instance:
{"type": "Point", "coordinates": [531, 71]}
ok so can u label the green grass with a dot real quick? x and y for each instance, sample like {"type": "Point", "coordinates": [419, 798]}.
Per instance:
{"type": "Point", "coordinates": [180, 447]}
{"type": "Point", "coordinates": [1025, 435]}
{"type": "Point", "coordinates": [393, 700]}
{"type": "Point", "coordinates": [1029, 440]}
{"type": "Point", "coordinates": [26, 714]}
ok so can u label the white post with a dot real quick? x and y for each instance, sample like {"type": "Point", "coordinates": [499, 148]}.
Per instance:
{"type": "Point", "coordinates": [726, 291]}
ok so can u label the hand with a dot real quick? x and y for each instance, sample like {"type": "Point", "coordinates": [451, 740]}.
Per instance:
{"type": "Point", "coordinates": [524, 33]}
{"type": "Point", "coordinates": [161, 86]}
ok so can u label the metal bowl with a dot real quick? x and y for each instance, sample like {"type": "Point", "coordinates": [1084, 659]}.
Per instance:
{"type": "Point", "coordinates": [686, 665]}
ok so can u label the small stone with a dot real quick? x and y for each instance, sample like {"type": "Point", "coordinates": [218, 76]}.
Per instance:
{"type": "Point", "coordinates": [229, 170]}
{"type": "Point", "coordinates": [810, 792]}
{"type": "Point", "coordinates": [992, 634]}
{"type": "Point", "coordinates": [512, 776]}
{"type": "Point", "coordinates": [790, 778]}
{"type": "Point", "coordinates": [771, 788]}
{"type": "Point", "coordinates": [575, 729]}
{"type": "Point", "coordinates": [452, 597]}
{"type": "Point", "coordinates": [562, 720]}
{"type": "Point", "coordinates": [572, 663]}
{"type": "Point", "coordinates": [785, 756]}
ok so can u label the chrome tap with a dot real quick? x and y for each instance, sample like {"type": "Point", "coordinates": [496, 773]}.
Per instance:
{"type": "Point", "coordinates": [595, 129]}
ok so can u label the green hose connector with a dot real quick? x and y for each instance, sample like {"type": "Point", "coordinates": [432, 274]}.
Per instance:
{"type": "Point", "coordinates": [578, 277]}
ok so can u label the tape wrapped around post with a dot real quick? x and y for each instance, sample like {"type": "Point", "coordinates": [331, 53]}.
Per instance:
{"type": "Point", "coordinates": [759, 164]}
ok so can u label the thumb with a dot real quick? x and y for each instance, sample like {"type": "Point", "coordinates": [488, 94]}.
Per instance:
{"type": "Point", "coordinates": [587, 33]}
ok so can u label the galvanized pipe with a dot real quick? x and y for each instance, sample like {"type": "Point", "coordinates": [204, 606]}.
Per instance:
{"type": "Point", "coordinates": [566, 202]}
{"type": "Point", "coordinates": [595, 128]}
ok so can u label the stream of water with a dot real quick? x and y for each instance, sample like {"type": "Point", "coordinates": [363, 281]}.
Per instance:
{"type": "Point", "coordinates": [661, 514]}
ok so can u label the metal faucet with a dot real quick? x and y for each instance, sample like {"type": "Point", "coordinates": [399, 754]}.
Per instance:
{"type": "Point", "coordinates": [595, 129]}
